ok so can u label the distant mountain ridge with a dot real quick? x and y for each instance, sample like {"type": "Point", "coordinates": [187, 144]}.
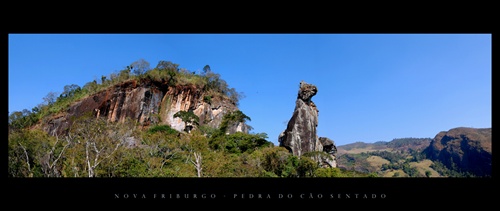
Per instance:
{"type": "Point", "coordinates": [395, 144]}
{"type": "Point", "coordinates": [458, 152]}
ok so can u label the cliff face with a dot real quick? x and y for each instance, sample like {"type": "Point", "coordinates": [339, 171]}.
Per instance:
{"type": "Point", "coordinates": [465, 149]}
{"type": "Point", "coordinates": [147, 103]}
{"type": "Point", "coordinates": [300, 135]}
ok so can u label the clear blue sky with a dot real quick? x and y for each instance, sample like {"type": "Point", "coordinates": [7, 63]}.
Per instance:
{"type": "Point", "coordinates": [371, 87]}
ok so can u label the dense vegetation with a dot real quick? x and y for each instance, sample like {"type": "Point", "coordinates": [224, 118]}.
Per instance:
{"type": "Point", "coordinates": [454, 171]}
{"type": "Point", "coordinates": [99, 148]}
{"type": "Point", "coordinates": [95, 147]}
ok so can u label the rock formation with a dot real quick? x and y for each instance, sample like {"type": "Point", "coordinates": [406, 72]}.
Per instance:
{"type": "Point", "coordinates": [300, 135]}
{"type": "Point", "coordinates": [330, 148]}
{"type": "Point", "coordinates": [147, 103]}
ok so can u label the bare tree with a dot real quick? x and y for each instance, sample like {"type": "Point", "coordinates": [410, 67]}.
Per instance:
{"type": "Point", "coordinates": [50, 98]}
{"type": "Point", "coordinates": [101, 140]}
{"type": "Point", "coordinates": [197, 163]}
{"type": "Point", "coordinates": [49, 161]}
{"type": "Point", "coordinates": [140, 66]}
{"type": "Point", "coordinates": [27, 160]}
{"type": "Point", "coordinates": [98, 154]}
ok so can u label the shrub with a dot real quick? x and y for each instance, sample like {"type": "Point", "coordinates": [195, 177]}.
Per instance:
{"type": "Point", "coordinates": [162, 129]}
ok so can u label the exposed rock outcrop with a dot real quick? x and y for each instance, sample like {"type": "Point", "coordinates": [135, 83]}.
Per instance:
{"type": "Point", "coordinates": [300, 135]}
{"type": "Point", "coordinates": [147, 103]}
{"type": "Point", "coordinates": [463, 149]}
{"type": "Point", "coordinates": [330, 148]}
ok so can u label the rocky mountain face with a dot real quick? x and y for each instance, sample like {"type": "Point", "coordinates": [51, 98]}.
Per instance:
{"type": "Point", "coordinates": [147, 102]}
{"type": "Point", "coordinates": [300, 135]}
{"type": "Point", "coordinates": [464, 149]}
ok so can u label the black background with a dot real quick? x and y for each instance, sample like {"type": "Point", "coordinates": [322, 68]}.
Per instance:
{"type": "Point", "coordinates": [403, 193]}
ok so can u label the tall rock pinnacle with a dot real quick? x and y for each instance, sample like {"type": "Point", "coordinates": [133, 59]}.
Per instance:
{"type": "Point", "coordinates": [300, 135]}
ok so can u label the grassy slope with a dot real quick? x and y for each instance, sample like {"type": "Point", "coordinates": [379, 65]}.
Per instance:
{"type": "Point", "coordinates": [424, 166]}
{"type": "Point", "coordinates": [376, 161]}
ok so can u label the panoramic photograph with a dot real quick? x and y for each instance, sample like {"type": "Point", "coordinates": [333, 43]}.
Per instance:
{"type": "Point", "coordinates": [249, 106]}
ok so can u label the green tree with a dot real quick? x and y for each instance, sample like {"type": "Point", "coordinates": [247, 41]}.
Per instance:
{"type": "Point", "coordinates": [328, 172]}
{"type": "Point", "coordinates": [70, 90]}
{"type": "Point", "coordinates": [167, 65]}
{"type": "Point", "coordinates": [240, 142]}
{"type": "Point", "coordinates": [132, 162]}
{"type": "Point", "coordinates": [33, 153]}
{"type": "Point", "coordinates": [162, 151]}
{"type": "Point", "coordinates": [306, 167]}
{"type": "Point", "coordinates": [219, 140]}
{"type": "Point", "coordinates": [103, 80]}
{"type": "Point", "coordinates": [274, 160]}
{"type": "Point", "coordinates": [22, 119]}
{"type": "Point", "coordinates": [22, 150]}
{"type": "Point", "coordinates": [206, 69]}
{"type": "Point", "coordinates": [162, 129]}
{"type": "Point", "coordinates": [50, 98]}
{"type": "Point", "coordinates": [16, 120]}
{"type": "Point", "coordinates": [233, 118]}
{"type": "Point", "coordinates": [91, 87]}
{"type": "Point", "coordinates": [124, 74]}
{"type": "Point", "coordinates": [189, 118]}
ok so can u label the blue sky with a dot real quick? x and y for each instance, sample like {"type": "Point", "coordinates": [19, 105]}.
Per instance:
{"type": "Point", "coordinates": [371, 87]}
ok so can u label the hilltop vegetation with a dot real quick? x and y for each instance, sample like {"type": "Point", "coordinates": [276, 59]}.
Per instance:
{"type": "Point", "coordinates": [165, 74]}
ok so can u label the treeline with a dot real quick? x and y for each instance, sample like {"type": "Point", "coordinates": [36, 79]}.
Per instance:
{"type": "Point", "coordinates": [402, 142]}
